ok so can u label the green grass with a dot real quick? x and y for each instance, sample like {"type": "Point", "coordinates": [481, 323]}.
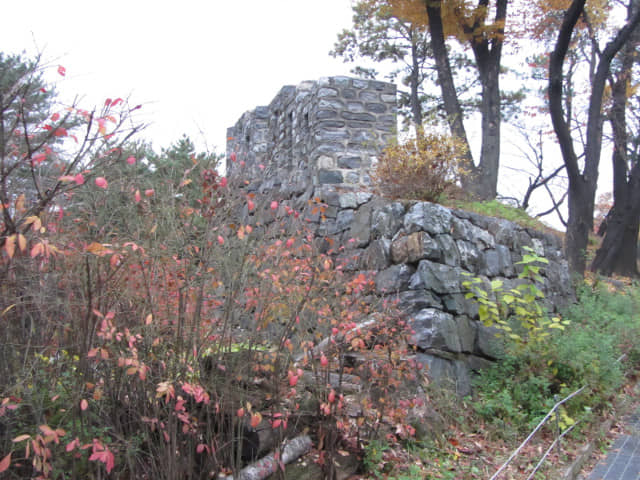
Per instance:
{"type": "Point", "coordinates": [494, 208]}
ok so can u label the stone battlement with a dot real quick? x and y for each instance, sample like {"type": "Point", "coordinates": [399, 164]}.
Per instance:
{"type": "Point", "coordinates": [325, 132]}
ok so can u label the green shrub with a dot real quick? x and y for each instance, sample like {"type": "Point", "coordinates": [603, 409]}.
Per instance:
{"type": "Point", "coordinates": [518, 390]}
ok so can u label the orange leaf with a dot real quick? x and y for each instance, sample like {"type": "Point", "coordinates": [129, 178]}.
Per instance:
{"type": "Point", "coordinates": [36, 250]}
{"type": "Point", "coordinates": [34, 221]}
{"type": "Point", "coordinates": [4, 464]}
{"type": "Point", "coordinates": [96, 248]}
{"type": "Point", "coordinates": [10, 245]}
{"type": "Point", "coordinates": [22, 242]}
{"type": "Point", "coordinates": [256, 418]}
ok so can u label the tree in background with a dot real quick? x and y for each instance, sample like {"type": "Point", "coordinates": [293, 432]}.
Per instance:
{"type": "Point", "coordinates": [622, 223]}
{"type": "Point", "coordinates": [474, 30]}
{"type": "Point", "coordinates": [583, 176]}
{"type": "Point", "coordinates": [48, 149]}
{"type": "Point", "coordinates": [381, 36]}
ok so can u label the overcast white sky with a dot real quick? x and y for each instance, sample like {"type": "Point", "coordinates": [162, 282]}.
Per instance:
{"type": "Point", "coordinates": [196, 66]}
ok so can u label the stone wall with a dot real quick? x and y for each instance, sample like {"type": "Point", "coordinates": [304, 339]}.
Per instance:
{"type": "Point", "coordinates": [418, 252]}
{"type": "Point", "coordinates": [324, 132]}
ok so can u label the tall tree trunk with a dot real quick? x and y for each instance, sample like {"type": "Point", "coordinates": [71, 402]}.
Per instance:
{"type": "Point", "coordinates": [487, 51]}
{"type": "Point", "coordinates": [414, 98]}
{"type": "Point", "coordinates": [582, 183]}
{"type": "Point", "coordinates": [619, 250]}
{"type": "Point", "coordinates": [447, 86]}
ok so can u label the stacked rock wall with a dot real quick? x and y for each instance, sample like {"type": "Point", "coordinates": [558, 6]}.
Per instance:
{"type": "Point", "coordinates": [418, 252]}
{"type": "Point", "coordinates": [321, 133]}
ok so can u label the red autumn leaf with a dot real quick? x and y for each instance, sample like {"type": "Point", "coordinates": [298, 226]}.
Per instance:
{"type": "Point", "coordinates": [79, 179]}
{"type": "Point", "coordinates": [101, 182]}
{"type": "Point", "coordinates": [131, 160]}
{"type": "Point", "coordinates": [55, 117]}
{"type": "Point", "coordinates": [116, 102]}
{"type": "Point", "coordinates": [274, 205]}
{"type": "Point", "coordinates": [323, 360]}
{"type": "Point", "coordinates": [251, 205]}
{"type": "Point", "coordinates": [149, 192]}
{"type": "Point", "coordinates": [4, 464]}
{"type": "Point", "coordinates": [72, 444]}
{"type": "Point", "coordinates": [233, 156]}
{"type": "Point", "coordinates": [202, 447]}
{"type": "Point", "coordinates": [61, 70]}
{"type": "Point", "coordinates": [223, 182]}
{"type": "Point", "coordinates": [220, 240]}
{"type": "Point", "coordinates": [104, 456]}
{"type": "Point", "coordinates": [60, 132]}
{"type": "Point", "coordinates": [84, 404]}
{"type": "Point", "coordinates": [39, 158]}
{"type": "Point", "coordinates": [137, 196]}
{"type": "Point", "coordinates": [256, 418]}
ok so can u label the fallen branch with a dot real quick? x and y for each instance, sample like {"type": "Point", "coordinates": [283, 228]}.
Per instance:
{"type": "Point", "coordinates": [268, 465]}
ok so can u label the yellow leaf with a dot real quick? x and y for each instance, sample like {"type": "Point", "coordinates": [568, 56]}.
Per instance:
{"type": "Point", "coordinates": [22, 242]}
{"type": "Point", "coordinates": [35, 221]}
{"type": "Point", "coordinates": [20, 203]}
{"type": "Point", "coordinates": [10, 245]}
{"type": "Point", "coordinates": [96, 248]}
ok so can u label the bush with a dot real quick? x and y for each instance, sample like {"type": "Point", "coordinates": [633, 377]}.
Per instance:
{"type": "Point", "coordinates": [519, 389]}
{"type": "Point", "coordinates": [422, 168]}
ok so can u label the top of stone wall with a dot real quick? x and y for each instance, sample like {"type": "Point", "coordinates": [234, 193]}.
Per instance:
{"type": "Point", "coordinates": [324, 132]}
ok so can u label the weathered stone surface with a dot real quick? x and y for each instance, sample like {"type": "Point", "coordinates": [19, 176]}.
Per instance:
{"type": "Point", "coordinates": [462, 229]}
{"type": "Point", "coordinates": [360, 228]}
{"type": "Point", "coordinates": [393, 279]}
{"type": "Point", "coordinates": [412, 301]}
{"type": "Point", "coordinates": [414, 247]}
{"type": "Point", "coordinates": [470, 256]}
{"type": "Point", "coordinates": [441, 279]}
{"type": "Point", "coordinates": [452, 374]}
{"type": "Point", "coordinates": [377, 255]}
{"type": "Point", "coordinates": [428, 217]}
{"type": "Point", "coordinates": [330, 176]}
{"type": "Point", "coordinates": [497, 262]}
{"type": "Point", "coordinates": [449, 254]}
{"type": "Point", "coordinates": [488, 345]}
{"type": "Point", "coordinates": [386, 221]}
{"type": "Point", "coordinates": [457, 304]}
{"type": "Point", "coordinates": [344, 220]}
{"type": "Point", "coordinates": [435, 329]}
